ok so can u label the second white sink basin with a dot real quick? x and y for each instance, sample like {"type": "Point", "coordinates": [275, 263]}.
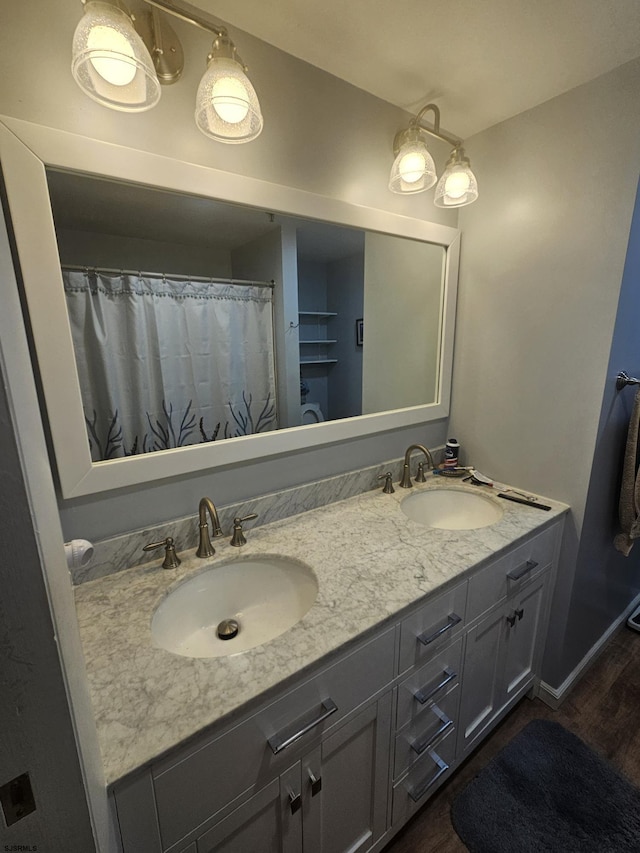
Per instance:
{"type": "Point", "coordinates": [265, 596]}
{"type": "Point", "coordinates": [452, 509]}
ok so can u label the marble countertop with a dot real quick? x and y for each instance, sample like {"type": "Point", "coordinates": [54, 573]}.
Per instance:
{"type": "Point", "coordinates": [371, 563]}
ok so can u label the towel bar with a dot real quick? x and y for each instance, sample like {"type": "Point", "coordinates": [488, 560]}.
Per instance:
{"type": "Point", "coordinates": [624, 379]}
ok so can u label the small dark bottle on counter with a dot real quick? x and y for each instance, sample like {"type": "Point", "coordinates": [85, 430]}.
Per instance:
{"type": "Point", "coordinates": [451, 453]}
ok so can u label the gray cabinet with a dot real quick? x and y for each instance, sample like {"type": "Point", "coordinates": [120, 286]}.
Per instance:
{"type": "Point", "coordinates": [319, 747]}
{"type": "Point", "coordinates": [332, 800]}
{"type": "Point", "coordinates": [350, 774]}
{"type": "Point", "coordinates": [341, 760]}
{"type": "Point", "coordinates": [268, 822]}
{"type": "Point", "coordinates": [501, 658]}
{"type": "Point", "coordinates": [427, 702]}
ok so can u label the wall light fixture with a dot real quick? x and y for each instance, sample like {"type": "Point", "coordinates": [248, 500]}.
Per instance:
{"type": "Point", "coordinates": [120, 61]}
{"type": "Point", "coordinates": [414, 171]}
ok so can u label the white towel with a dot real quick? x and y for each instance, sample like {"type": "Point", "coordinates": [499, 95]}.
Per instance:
{"type": "Point", "coordinates": [629, 506]}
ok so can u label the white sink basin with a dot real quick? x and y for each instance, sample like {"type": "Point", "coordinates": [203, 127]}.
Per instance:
{"type": "Point", "coordinates": [265, 595]}
{"type": "Point", "coordinates": [452, 509]}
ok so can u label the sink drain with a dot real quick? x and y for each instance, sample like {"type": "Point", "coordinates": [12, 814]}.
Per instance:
{"type": "Point", "coordinates": [227, 629]}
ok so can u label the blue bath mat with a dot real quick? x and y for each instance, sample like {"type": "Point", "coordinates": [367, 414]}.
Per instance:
{"type": "Point", "coordinates": [548, 791]}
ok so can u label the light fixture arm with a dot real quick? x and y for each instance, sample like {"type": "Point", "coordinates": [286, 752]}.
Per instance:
{"type": "Point", "coordinates": [119, 4]}
{"type": "Point", "coordinates": [190, 17]}
{"type": "Point", "coordinates": [436, 132]}
{"type": "Point", "coordinates": [222, 45]}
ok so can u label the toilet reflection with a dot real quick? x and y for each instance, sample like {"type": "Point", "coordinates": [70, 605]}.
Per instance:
{"type": "Point", "coordinates": [310, 413]}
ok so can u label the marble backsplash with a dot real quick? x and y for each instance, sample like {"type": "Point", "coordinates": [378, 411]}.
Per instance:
{"type": "Point", "coordinates": [124, 551]}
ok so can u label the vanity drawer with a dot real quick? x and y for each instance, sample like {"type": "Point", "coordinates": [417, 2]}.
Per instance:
{"type": "Point", "coordinates": [429, 683]}
{"type": "Point", "coordinates": [423, 779]}
{"type": "Point", "coordinates": [507, 574]}
{"type": "Point", "coordinates": [208, 777]}
{"type": "Point", "coordinates": [432, 627]}
{"type": "Point", "coordinates": [426, 731]}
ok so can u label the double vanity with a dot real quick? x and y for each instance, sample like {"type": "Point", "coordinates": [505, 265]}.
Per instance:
{"type": "Point", "coordinates": [379, 639]}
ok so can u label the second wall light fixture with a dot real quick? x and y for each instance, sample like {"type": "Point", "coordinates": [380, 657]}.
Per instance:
{"type": "Point", "coordinates": [414, 171]}
{"type": "Point", "coordinates": [122, 66]}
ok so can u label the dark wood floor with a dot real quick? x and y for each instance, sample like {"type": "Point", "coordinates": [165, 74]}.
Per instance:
{"type": "Point", "coordinates": [603, 709]}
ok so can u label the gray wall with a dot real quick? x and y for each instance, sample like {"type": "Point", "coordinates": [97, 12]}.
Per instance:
{"type": "Point", "coordinates": [36, 732]}
{"type": "Point", "coordinates": [543, 253]}
{"type": "Point", "coordinates": [605, 581]}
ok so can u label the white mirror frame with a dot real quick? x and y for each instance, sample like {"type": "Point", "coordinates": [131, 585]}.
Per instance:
{"type": "Point", "coordinates": [25, 150]}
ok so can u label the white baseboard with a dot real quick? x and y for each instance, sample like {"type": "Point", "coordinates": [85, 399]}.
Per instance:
{"type": "Point", "coordinates": [554, 696]}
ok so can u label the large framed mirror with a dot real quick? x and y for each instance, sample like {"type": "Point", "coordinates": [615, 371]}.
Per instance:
{"type": "Point", "coordinates": [353, 308]}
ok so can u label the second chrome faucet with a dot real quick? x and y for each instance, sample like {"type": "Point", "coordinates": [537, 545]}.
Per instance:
{"type": "Point", "coordinates": [405, 482]}
{"type": "Point", "coordinates": [205, 548]}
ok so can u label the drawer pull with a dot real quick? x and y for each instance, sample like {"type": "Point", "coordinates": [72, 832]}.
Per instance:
{"type": "Point", "coordinates": [418, 791]}
{"type": "Point", "coordinates": [452, 619]}
{"type": "Point", "coordinates": [316, 784]}
{"type": "Point", "coordinates": [278, 743]}
{"type": "Point", "coordinates": [517, 614]}
{"type": "Point", "coordinates": [420, 746]}
{"type": "Point", "coordinates": [521, 571]}
{"type": "Point", "coordinates": [422, 697]}
{"type": "Point", "coordinates": [295, 801]}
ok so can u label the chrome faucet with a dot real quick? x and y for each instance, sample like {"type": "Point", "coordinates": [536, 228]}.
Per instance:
{"type": "Point", "coordinates": [205, 548]}
{"type": "Point", "coordinates": [405, 482]}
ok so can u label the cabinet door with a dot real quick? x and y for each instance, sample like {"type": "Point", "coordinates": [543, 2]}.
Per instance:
{"type": "Point", "coordinates": [348, 811]}
{"type": "Point", "coordinates": [521, 637]}
{"type": "Point", "coordinates": [269, 822]}
{"type": "Point", "coordinates": [481, 679]}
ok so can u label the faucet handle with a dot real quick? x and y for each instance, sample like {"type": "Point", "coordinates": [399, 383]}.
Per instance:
{"type": "Point", "coordinates": [171, 559]}
{"type": "Point", "coordinates": [420, 477]}
{"type": "Point", "coordinates": [388, 485]}
{"type": "Point", "coordinates": [238, 537]}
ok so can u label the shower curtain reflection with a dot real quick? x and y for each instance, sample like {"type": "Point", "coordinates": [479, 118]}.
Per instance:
{"type": "Point", "coordinates": [166, 363]}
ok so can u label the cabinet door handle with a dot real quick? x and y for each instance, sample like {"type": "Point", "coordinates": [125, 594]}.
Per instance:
{"type": "Point", "coordinates": [418, 791]}
{"type": "Point", "coordinates": [452, 619]}
{"type": "Point", "coordinates": [521, 571]}
{"type": "Point", "coordinates": [277, 742]}
{"type": "Point", "coordinates": [419, 692]}
{"type": "Point", "coordinates": [420, 746]}
{"type": "Point", "coordinates": [316, 784]}
{"type": "Point", "coordinates": [518, 613]}
{"type": "Point", "coordinates": [295, 801]}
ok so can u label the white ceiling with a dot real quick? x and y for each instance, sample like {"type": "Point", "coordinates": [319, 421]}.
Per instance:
{"type": "Point", "coordinates": [481, 61]}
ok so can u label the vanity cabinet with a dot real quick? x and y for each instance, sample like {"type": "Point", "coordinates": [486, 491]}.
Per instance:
{"type": "Point", "coordinates": [505, 643]}
{"type": "Point", "coordinates": [332, 799]}
{"type": "Point", "coordinates": [340, 761]}
{"type": "Point", "coordinates": [280, 771]}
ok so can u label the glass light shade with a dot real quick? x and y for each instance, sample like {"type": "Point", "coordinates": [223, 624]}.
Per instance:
{"type": "Point", "coordinates": [458, 186]}
{"type": "Point", "coordinates": [110, 61]}
{"type": "Point", "coordinates": [413, 170]}
{"type": "Point", "coordinates": [227, 107]}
